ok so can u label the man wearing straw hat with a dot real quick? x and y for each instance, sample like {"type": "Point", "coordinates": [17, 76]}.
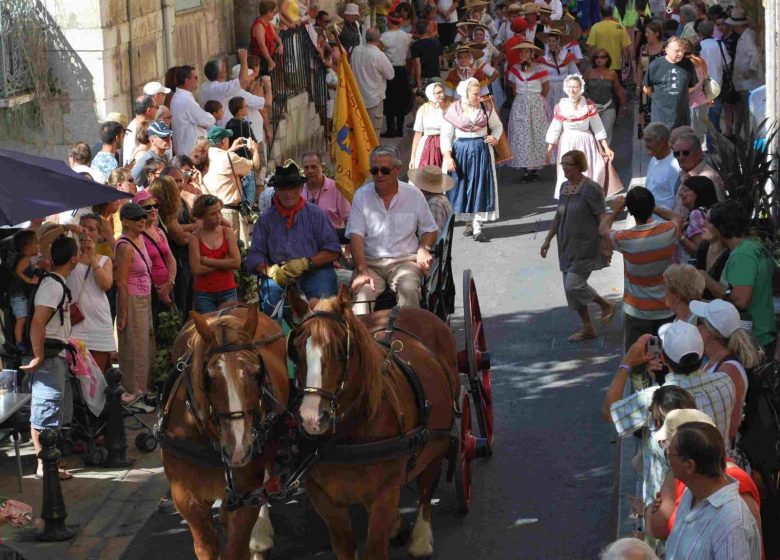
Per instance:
{"type": "Point", "coordinates": [433, 184]}
{"type": "Point", "coordinates": [748, 71]}
{"type": "Point", "coordinates": [351, 34]}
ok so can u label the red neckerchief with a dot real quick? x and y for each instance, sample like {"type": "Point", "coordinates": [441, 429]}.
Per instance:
{"type": "Point", "coordinates": [291, 212]}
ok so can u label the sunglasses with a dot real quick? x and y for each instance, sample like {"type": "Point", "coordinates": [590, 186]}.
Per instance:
{"type": "Point", "coordinates": [151, 207]}
{"type": "Point", "coordinates": [384, 170]}
{"type": "Point", "coordinates": [679, 153]}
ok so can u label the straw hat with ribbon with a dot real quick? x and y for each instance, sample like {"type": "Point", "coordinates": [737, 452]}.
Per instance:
{"type": "Point", "coordinates": [474, 4]}
{"type": "Point", "coordinates": [544, 35]}
{"type": "Point", "coordinates": [738, 17]}
{"type": "Point", "coordinates": [527, 45]}
{"type": "Point", "coordinates": [468, 23]}
{"type": "Point", "coordinates": [529, 8]}
{"type": "Point", "coordinates": [514, 9]}
{"type": "Point", "coordinates": [431, 179]}
{"type": "Point", "coordinates": [475, 49]}
{"type": "Point", "coordinates": [544, 9]}
{"type": "Point", "coordinates": [569, 28]}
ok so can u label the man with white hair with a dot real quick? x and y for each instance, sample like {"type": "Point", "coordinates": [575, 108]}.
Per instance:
{"type": "Point", "coordinates": [687, 21]}
{"type": "Point", "coordinates": [690, 157]}
{"type": "Point", "coordinates": [372, 70]}
{"type": "Point", "coordinates": [663, 171]}
{"type": "Point", "coordinates": [628, 548]}
{"type": "Point", "coordinates": [218, 88]}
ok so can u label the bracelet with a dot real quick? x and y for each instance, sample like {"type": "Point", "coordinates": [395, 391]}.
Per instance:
{"type": "Point", "coordinates": [625, 367]}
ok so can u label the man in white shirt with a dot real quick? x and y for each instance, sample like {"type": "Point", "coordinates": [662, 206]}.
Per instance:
{"type": "Point", "coordinates": [218, 88]}
{"type": "Point", "coordinates": [712, 520]}
{"type": "Point", "coordinates": [748, 69]}
{"type": "Point", "coordinates": [398, 94]}
{"type": "Point", "coordinates": [372, 69]}
{"type": "Point", "coordinates": [663, 171]}
{"type": "Point", "coordinates": [717, 56]}
{"type": "Point", "coordinates": [256, 103]}
{"type": "Point", "coordinates": [391, 232]}
{"type": "Point", "coordinates": [144, 109]}
{"type": "Point", "coordinates": [190, 122]}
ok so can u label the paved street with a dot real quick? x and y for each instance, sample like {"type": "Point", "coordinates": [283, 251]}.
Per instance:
{"type": "Point", "coordinates": [547, 491]}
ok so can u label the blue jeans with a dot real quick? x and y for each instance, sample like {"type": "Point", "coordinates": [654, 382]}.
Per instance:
{"type": "Point", "coordinates": [206, 302]}
{"type": "Point", "coordinates": [317, 283]}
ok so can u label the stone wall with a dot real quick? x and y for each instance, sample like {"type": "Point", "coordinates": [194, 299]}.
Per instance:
{"type": "Point", "coordinates": [300, 130]}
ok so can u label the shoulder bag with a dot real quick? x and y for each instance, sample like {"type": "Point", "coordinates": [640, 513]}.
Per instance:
{"type": "Point", "coordinates": [502, 150]}
{"type": "Point", "coordinates": [728, 93]}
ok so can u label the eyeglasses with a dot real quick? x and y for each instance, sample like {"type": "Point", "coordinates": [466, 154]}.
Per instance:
{"type": "Point", "coordinates": [384, 170]}
{"type": "Point", "coordinates": [151, 207]}
{"type": "Point", "coordinates": [668, 453]}
{"type": "Point", "coordinates": [679, 153]}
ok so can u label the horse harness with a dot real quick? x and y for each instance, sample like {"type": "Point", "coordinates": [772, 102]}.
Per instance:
{"type": "Point", "coordinates": [334, 450]}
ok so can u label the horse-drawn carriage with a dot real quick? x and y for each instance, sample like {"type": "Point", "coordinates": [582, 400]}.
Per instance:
{"type": "Point", "coordinates": [376, 402]}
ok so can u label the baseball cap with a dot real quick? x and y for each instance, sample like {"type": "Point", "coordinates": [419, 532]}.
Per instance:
{"type": "Point", "coordinates": [720, 314]}
{"type": "Point", "coordinates": [217, 133]}
{"type": "Point", "coordinates": [153, 88]}
{"type": "Point", "coordinates": [681, 340]}
{"type": "Point", "coordinates": [676, 418]}
{"type": "Point", "coordinates": [132, 211]}
{"type": "Point", "coordinates": [237, 69]}
{"type": "Point", "coordinates": [159, 128]}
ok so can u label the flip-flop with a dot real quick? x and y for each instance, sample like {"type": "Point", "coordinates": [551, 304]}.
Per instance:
{"type": "Point", "coordinates": [606, 318]}
{"type": "Point", "coordinates": [582, 335]}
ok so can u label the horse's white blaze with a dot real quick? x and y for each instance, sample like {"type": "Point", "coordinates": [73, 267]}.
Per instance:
{"type": "Point", "coordinates": [234, 401]}
{"type": "Point", "coordinates": [262, 539]}
{"type": "Point", "coordinates": [310, 408]}
{"type": "Point", "coordinates": [422, 537]}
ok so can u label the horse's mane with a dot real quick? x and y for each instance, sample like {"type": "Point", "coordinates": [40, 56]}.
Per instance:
{"type": "Point", "coordinates": [198, 345]}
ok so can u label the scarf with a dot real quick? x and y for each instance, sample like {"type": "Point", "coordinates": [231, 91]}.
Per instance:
{"type": "Point", "coordinates": [291, 212]}
{"type": "Point", "coordinates": [456, 116]}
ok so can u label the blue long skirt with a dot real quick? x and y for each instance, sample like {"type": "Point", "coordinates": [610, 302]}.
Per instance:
{"type": "Point", "coordinates": [474, 177]}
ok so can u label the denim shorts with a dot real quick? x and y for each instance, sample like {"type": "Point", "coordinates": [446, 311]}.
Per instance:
{"type": "Point", "coordinates": [52, 398]}
{"type": "Point", "coordinates": [205, 302]}
{"type": "Point", "coordinates": [19, 306]}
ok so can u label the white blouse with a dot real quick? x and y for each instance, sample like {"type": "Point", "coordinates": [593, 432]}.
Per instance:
{"type": "Point", "coordinates": [527, 81]}
{"type": "Point", "coordinates": [97, 328]}
{"type": "Point", "coordinates": [449, 133]}
{"type": "Point", "coordinates": [429, 119]}
{"type": "Point", "coordinates": [582, 119]}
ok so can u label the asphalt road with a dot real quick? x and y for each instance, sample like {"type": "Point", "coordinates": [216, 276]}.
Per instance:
{"type": "Point", "coordinates": [547, 492]}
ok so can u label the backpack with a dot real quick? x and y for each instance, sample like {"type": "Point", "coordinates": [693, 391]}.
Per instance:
{"type": "Point", "coordinates": [51, 347]}
{"type": "Point", "coordinates": [760, 430]}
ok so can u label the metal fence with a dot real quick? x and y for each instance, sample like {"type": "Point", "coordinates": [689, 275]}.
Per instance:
{"type": "Point", "coordinates": [299, 70]}
{"type": "Point", "coordinates": [16, 77]}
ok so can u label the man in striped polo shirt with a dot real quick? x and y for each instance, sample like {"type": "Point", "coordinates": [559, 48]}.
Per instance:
{"type": "Point", "coordinates": [647, 249]}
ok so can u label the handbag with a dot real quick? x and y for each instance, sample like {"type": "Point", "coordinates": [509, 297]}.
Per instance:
{"type": "Point", "coordinates": [728, 93]}
{"type": "Point", "coordinates": [76, 314]}
{"type": "Point", "coordinates": [711, 88]}
{"type": "Point", "coordinates": [501, 150]}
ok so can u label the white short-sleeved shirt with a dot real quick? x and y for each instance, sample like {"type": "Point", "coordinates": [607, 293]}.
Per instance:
{"type": "Point", "coordinates": [445, 5]}
{"type": "Point", "coordinates": [662, 178]}
{"type": "Point", "coordinates": [97, 328]}
{"type": "Point", "coordinates": [390, 232]}
{"type": "Point", "coordinates": [396, 44]}
{"type": "Point", "coordinates": [49, 294]}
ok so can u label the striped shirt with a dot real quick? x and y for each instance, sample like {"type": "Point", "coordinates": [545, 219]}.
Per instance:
{"type": "Point", "coordinates": [719, 527]}
{"type": "Point", "coordinates": [648, 250]}
{"type": "Point", "coordinates": [715, 395]}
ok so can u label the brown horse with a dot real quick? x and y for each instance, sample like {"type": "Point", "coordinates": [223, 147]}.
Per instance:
{"type": "Point", "coordinates": [352, 384]}
{"type": "Point", "coordinates": [232, 358]}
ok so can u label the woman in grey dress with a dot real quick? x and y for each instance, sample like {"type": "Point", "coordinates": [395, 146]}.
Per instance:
{"type": "Point", "coordinates": [576, 224]}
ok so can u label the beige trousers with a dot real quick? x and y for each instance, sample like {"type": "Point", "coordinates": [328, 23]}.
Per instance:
{"type": "Point", "coordinates": [402, 275]}
{"type": "Point", "coordinates": [137, 348]}
{"type": "Point", "coordinates": [241, 227]}
{"type": "Point", "coordinates": [376, 114]}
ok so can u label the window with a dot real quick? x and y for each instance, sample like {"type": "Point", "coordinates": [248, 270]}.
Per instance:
{"type": "Point", "coordinates": [182, 5]}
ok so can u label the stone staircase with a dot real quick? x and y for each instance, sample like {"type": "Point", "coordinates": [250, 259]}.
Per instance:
{"type": "Point", "coordinates": [300, 130]}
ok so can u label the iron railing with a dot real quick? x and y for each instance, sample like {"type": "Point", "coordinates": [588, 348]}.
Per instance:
{"type": "Point", "coordinates": [16, 77]}
{"type": "Point", "coordinates": [300, 70]}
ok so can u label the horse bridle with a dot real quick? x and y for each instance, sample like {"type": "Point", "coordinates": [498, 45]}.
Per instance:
{"type": "Point", "coordinates": [331, 397]}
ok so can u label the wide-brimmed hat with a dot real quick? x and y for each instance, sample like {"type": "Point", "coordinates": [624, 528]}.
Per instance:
{"type": "Point", "coordinates": [676, 418]}
{"type": "Point", "coordinates": [351, 10]}
{"type": "Point", "coordinates": [471, 49]}
{"type": "Point", "coordinates": [544, 35]}
{"type": "Point", "coordinates": [571, 29]}
{"type": "Point", "coordinates": [472, 4]}
{"type": "Point", "coordinates": [119, 118]}
{"type": "Point", "coordinates": [287, 175]}
{"type": "Point", "coordinates": [529, 8]}
{"type": "Point", "coordinates": [514, 9]}
{"type": "Point", "coordinates": [738, 17]}
{"type": "Point", "coordinates": [431, 179]}
{"type": "Point", "coordinates": [527, 45]}
{"type": "Point", "coordinates": [544, 9]}
{"type": "Point", "coordinates": [468, 23]}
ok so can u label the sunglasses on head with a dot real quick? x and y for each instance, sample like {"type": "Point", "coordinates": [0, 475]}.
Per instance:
{"type": "Point", "coordinates": [384, 170]}
{"type": "Point", "coordinates": [151, 207]}
{"type": "Point", "coordinates": [682, 153]}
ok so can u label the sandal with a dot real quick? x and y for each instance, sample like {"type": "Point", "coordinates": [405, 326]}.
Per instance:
{"type": "Point", "coordinates": [582, 335]}
{"type": "Point", "coordinates": [606, 318]}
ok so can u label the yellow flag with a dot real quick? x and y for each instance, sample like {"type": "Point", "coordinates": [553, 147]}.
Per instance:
{"type": "Point", "coordinates": [353, 136]}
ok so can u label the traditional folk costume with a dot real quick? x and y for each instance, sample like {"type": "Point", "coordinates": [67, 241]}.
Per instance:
{"type": "Point", "coordinates": [475, 194]}
{"type": "Point", "coordinates": [529, 118]}
{"type": "Point", "coordinates": [578, 128]}
{"type": "Point", "coordinates": [558, 65]}
{"type": "Point", "coordinates": [428, 121]}
{"type": "Point", "coordinates": [481, 72]}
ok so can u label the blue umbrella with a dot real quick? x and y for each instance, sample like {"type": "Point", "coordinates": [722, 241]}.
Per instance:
{"type": "Point", "coordinates": [34, 187]}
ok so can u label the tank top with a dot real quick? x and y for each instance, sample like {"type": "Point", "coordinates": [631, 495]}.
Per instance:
{"type": "Point", "coordinates": [270, 43]}
{"type": "Point", "coordinates": [217, 281]}
{"type": "Point", "coordinates": [157, 251]}
{"type": "Point", "coordinates": [599, 90]}
{"type": "Point", "coordinates": [139, 279]}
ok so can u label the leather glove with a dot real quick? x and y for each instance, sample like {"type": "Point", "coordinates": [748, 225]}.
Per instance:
{"type": "Point", "coordinates": [294, 268]}
{"type": "Point", "coordinates": [277, 274]}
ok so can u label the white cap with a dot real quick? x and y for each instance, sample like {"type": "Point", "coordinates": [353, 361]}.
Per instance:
{"type": "Point", "coordinates": [676, 418]}
{"type": "Point", "coordinates": [237, 68]}
{"type": "Point", "coordinates": [720, 314]}
{"type": "Point", "coordinates": [678, 339]}
{"type": "Point", "coordinates": [352, 10]}
{"type": "Point", "coordinates": [153, 88]}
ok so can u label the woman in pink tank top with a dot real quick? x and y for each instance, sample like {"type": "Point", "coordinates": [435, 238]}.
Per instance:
{"type": "Point", "coordinates": [134, 304]}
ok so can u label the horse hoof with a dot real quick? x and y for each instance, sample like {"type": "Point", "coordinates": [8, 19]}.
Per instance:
{"type": "Point", "coordinates": [402, 537]}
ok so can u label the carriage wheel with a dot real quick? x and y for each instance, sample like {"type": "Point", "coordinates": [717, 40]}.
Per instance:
{"type": "Point", "coordinates": [466, 452]}
{"type": "Point", "coordinates": [474, 361]}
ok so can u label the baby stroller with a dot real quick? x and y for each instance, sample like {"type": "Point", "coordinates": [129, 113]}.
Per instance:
{"type": "Point", "coordinates": [87, 432]}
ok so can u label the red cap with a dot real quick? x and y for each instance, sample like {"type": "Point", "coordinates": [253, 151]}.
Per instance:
{"type": "Point", "coordinates": [519, 24]}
